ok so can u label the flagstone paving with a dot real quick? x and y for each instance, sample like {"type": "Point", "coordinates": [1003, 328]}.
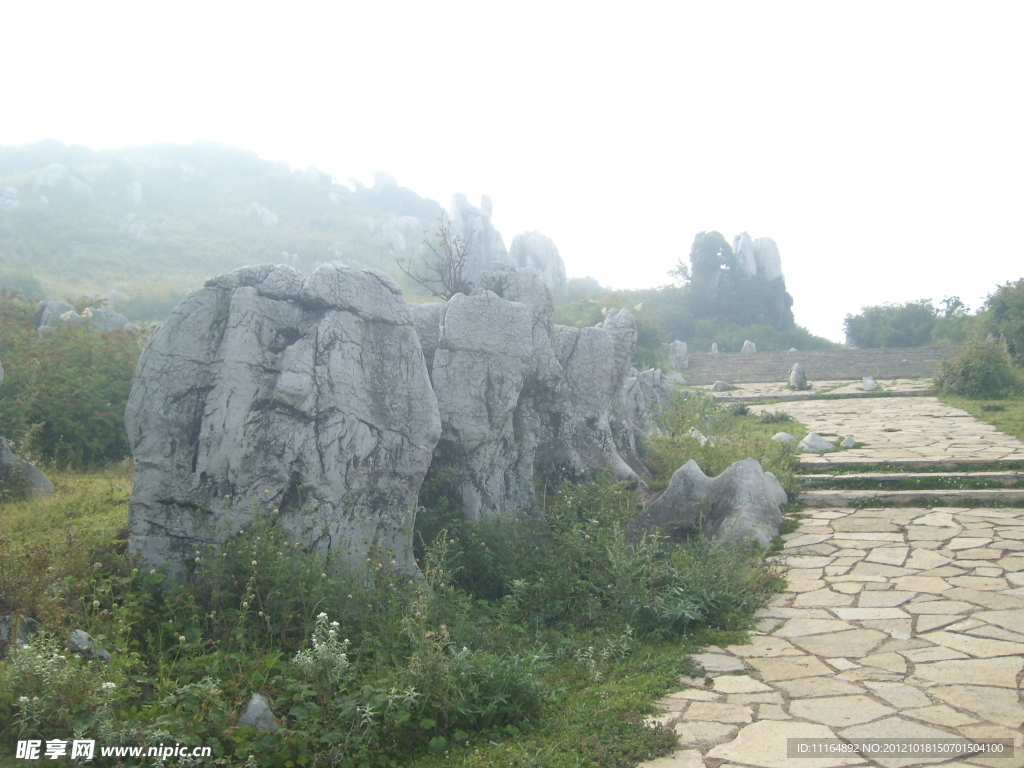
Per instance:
{"type": "Point", "coordinates": [844, 387]}
{"type": "Point", "coordinates": [898, 623]}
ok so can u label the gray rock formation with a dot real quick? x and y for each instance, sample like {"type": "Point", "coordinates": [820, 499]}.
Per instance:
{"type": "Point", "coordinates": [263, 215]}
{"type": "Point", "coordinates": [427, 319]}
{"type": "Point", "coordinates": [483, 356]}
{"type": "Point", "coordinates": [259, 714]}
{"type": "Point", "coordinates": [10, 464]}
{"type": "Point", "coordinates": [848, 442]}
{"type": "Point", "coordinates": [749, 347]}
{"type": "Point", "coordinates": [678, 358]}
{"type": "Point", "coordinates": [797, 377]}
{"type": "Point", "coordinates": [815, 443]}
{"type": "Point", "coordinates": [585, 428]}
{"type": "Point", "coordinates": [82, 642]}
{"type": "Point", "coordinates": [645, 396]}
{"type": "Point", "coordinates": [105, 319]}
{"type": "Point", "coordinates": [721, 386]}
{"type": "Point", "coordinates": [743, 248]}
{"type": "Point", "coordinates": [264, 391]}
{"type": "Point", "coordinates": [473, 227]}
{"type": "Point", "coordinates": [50, 314]}
{"type": "Point", "coordinates": [532, 250]}
{"type": "Point", "coordinates": [868, 383]}
{"type": "Point", "coordinates": [740, 506]}
{"type": "Point", "coordinates": [784, 437]}
{"type": "Point", "coordinates": [768, 259]}
{"type": "Point", "coordinates": [15, 628]}
{"type": "Point", "coordinates": [714, 347]}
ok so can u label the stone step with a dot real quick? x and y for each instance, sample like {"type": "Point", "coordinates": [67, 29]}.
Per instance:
{"type": "Point", "coordinates": [923, 498]}
{"type": "Point", "coordinates": [1007, 479]}
{"type": "Point", "coordinates": [812, 462]}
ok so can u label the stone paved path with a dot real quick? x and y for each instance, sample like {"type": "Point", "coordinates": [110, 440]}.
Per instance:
{"type": "Point", "coordinates": [781, 389]}
{"type": "Point", "coordinates": [904, 429]}
{"type": "Point", "coordinates": [897, 623]}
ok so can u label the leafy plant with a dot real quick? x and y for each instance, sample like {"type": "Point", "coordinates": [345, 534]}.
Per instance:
{"type": "Point", "coordinates": [982, 370]}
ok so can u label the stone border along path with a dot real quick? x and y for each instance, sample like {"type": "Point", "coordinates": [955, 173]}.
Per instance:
{"type": "Point", "coordinates": [897, 623]}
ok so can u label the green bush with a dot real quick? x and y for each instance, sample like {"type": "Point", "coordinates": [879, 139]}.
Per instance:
{"type": "Point", "coordinates": [64, 394]}
{"type": "Point", "coordinates": [1003, 317]}
{"type": "Point", "coordinates": [981, 371]}
{"type": "Point", "coordinates": [892, 325]}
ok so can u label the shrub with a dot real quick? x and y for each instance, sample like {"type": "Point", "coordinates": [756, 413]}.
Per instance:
{"type": "Point", "coordinates": [892, 325]}
{"type": "Point", "coordinates": [1004, 317]}
{"type": "Point", "coordinates": [981, 371]}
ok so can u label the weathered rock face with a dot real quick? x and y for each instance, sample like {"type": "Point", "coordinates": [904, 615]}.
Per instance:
{"type": "Point", "coordinates": [586, 430]}
{"type": "Point", "coordinates": [38, 483]}
{"type": "Point", "coordinates": [472, 225]}
{"type": "Point", "coordinates": [427, 319]}
{"type": "Point", "coordinates": [868, 383]}
{"type": "Point", "coordinates": [743, 248]}
{"type": "Point", "coordinates": [532, 250]}
{"type": "Point", "coordinates": [50, 314]}
{"type": "Point", "coordinates": [797, 377]}
{"type": "Point", "coordinates": [740, 506]}
{"type": "Point", "coordinates": [749, 347]}
{"type": "Point", "coordinates": [484, 354]}
{"type": "Point", "coordinates": [265, 391]}
{"type": "Point", "coordinates": [645, 396]}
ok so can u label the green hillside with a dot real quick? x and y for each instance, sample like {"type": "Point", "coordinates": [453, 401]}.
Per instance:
{"type": "Point", "coordinates": [150, 223]}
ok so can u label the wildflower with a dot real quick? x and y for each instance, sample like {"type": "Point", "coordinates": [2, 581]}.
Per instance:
{"type": "Point", "coordinates": [323, 575]}
{"type": "Point", "coordinates": [108, 686]}
{"type": "Point", "coordinates": [152, 572]}
{"type": "Point", "coordinates": [245, 604]}
{"type": "Point", "coordinates": [95, 603]}
{"type": "Point", "coordinates": [97, 565]}
{"type": "Point", "coordinates": [181, 638]}
{"type": "Point", "coordinates": [87, 312]}
{"type": "Point", "coordinates": [321, 615]}
{"type": "Point", "coordinates": [199, 560]}
{"type": "Point", "coordinates": [23, 700]}
{"type": "Point", "coordinates": [254, 562]}
{"type": "Point", "coordinates": [261, 613]}
{"type": "Point", "coordinates": [266, 492]}
{"type": "Point", "coordinates": [135, 571]}
{"type": "Point", "coordinates": [276, 511]}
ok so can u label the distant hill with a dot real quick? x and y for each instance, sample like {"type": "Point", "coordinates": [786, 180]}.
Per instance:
{"type": "Point", "coordinates": [143, 225]}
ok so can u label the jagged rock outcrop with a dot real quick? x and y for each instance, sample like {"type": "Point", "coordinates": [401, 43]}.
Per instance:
{"type": "Point", "coordinates": [266, 391]}
{"type": "Point", "coordinates": [473, 227]}
{"type": "Point", "coordinates": [586, 430]}
{"type": "Point", "coordinates": [749, 347]}
{"type": "Point", "coordinates": [743, 249]}
{"type": "Point", "coordinates": [427, 319]}
{"type": "Point", "coordinates": [740, 506]}
{"type": "Point", "coordinates": [645, 396]}
{"type": "Point", "coordinates": [483, 356]}
{"type": "Point", "coordinates": [532, 250]}
{"type": "Point", "coordinates": [768, 258]}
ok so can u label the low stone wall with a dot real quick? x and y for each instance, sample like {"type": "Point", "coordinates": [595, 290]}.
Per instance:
{"type": "Point", "coordinates": [819, 365]}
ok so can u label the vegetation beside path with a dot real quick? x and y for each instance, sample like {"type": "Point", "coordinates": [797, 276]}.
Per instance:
{"type": "Point", "coordinates": [540, 641]}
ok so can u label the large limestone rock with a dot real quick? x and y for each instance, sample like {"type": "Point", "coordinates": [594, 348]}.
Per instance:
{"type": "Point", "coordinates": [749, 347]}
{"type": "Point", "coordinates": [265, 391]}
{"type": "Point", "coordinates": [815, 443]}
{"type": "Point", "coordinates": [473, 226]}
{"type": "Point", "coordinates": [740, 506]}
{"type": "Point", "coordinates": [484, 354]}
{"type": "Point", "coordinates": [427, 319]}
{"type": "Point", "coordinates": [50, 314]}
{"type": "Point", "coordinates": [532, 250]}
{"type": "Point", "coordinates": [11, 465]}
{"type": "Point", "coordinates": [586, 430]}
{"type": "Point", "coordinates": [678, 356]}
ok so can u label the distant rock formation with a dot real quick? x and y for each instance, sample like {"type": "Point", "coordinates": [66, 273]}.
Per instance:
{"type": "Point", "coordinates": [532, 250]}
{"type": "Point", "coordinates": [473, 227]}
{"type": "Point", "coordinates": [678, 356]}
{"type": "Point", "coordinates": [266, 391]}
{"type": "Point", "coordinates": [264, 216]}
{"type": "Point", "coordinates": [757, 257]}
{"type": "Point", "coordinates": [50, 314]}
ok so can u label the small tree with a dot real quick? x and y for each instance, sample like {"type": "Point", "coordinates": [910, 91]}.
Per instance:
{"type": "Point", "coordinates": [445, 270]}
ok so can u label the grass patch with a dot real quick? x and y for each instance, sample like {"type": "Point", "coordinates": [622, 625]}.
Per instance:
{"type": "Point", "coordinates": [532, 642]}
{"type": "Point", "coordinates": [1006, 415]}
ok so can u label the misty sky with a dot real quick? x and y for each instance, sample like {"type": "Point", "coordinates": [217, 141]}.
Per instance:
{"type": "Point", "coordinates": [879, 143]}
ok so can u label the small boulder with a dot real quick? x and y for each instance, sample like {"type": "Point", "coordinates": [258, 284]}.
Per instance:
{"type": "Point", "coordinates": [784, 437]}
{"type": "Point", "coordinates": [721, 386]}
{"type": "Point", "coordinates": [749, 347]}
{"type": "Point", "coordinates": [714, 348]}
{"type": "Point", "coordinates": [699, 436]}
{"type": "Point", "coordinates": [16, 629]}
{"type": "Point", "coordinates": [259, 714]}
{"type": "Point", "coordinates": [677, 355]}
{"type": "Point", "coordinates": [82, 642]}
{"type": "Point", "coordinates": [848, 442]}
{"type": "Point", "coordinates": [868, 383]}
{"type": "Point", "coordinates": [740, 506]}
{"type": "Point", "coordinates": [815, 443]}
{"type": "Point", "coordinates": [797, 377]}
{"type": "Point", "coordinates": [38, 483]}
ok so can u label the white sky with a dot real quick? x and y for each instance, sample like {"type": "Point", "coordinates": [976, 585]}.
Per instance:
{"type": "Point", "coordinates": [879, 143]}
